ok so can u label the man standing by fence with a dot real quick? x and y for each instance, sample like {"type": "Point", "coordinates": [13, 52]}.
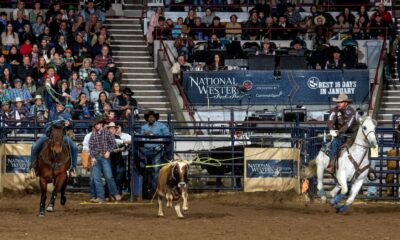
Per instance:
{"type": "Point", "coordinates": [101, 144]}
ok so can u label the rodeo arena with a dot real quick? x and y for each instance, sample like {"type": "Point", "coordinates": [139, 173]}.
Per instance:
{"type": "Point", "coordinates": [199, 119]}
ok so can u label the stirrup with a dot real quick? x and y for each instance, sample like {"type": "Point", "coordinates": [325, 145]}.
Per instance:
{"type": "Point", "coordinates": [32, 173]}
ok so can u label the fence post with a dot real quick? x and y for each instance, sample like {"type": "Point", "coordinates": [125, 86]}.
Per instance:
{"type": "Point", "coordinates": [232, 132]}
{"type": "Point", "coordinates": [131, 129]}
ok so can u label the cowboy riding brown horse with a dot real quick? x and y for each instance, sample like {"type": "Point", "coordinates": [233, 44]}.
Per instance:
{"type": "Point", "coordinates": [54, 161]}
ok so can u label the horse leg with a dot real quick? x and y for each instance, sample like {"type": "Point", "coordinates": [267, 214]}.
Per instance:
{"type": "Point", "coordinates": [321, 165]}
{"type": "Point", "coordinates": [59, 182]}
{"type": "Point", "coordinates": [63, 199]}
{"type": "Point", "coordinates": [160, 208]}
{"type": "Point", "coordinates": [334, 191]}
{"type": "Point", "coordinates": [341, 177]}
{"type": "Point", "coordinates": [43, 196]}
{"type": "Point", "coordinates": [353, 193]}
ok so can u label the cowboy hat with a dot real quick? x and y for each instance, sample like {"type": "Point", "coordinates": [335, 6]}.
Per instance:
{"type": "Point", "coordinates": [322, 17]}
{"type": "Point", "coordinates": [127, 91]}
{"type": "Point", "coordinates": [18, 99]}
{"type": "Point", "coordinates": [38, 97]}
{"type": "Point", "coordinates": [99, 119]}
{"type": "Point", "coordinates": [111, 124]}
{"type": "Point", "coordinates": [342, 98]}
{"type": "Point", "coordinates": [149, 113]}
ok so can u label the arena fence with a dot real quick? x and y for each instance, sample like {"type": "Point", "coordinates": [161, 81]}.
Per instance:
{"type": "Point", "coordinates": [216, 139]}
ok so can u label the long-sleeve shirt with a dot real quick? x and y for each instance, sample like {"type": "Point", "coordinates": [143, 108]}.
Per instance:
{"type": "Point", "coordinates": [85, 143]}
{"type": "Point", "coordinates": [101, 142]}
{"type": "Point", "coordinates": [20, 92]}
{"type": "Point", "coordinates": [156, 129]}
{"type": "Point", "coordinates": [343, 120]}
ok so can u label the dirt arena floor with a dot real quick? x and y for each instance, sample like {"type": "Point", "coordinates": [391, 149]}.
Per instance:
{"type": "Point", "coordinates": [211, 216]}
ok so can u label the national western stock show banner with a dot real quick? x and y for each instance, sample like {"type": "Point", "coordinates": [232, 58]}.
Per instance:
{"type": "Point", "coordinates": [15, 162]}
{"type": "Point", "coordinates": [271, 169]}
{"type": "Point", "coordinates": [259, 87]}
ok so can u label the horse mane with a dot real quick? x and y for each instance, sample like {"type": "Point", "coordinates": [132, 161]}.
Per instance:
{"type": "Point", "coordinates": [56, 139]}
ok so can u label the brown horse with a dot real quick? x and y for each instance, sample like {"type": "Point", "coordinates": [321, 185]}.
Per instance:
{"type": "Point", "coordinates": [392, 165]}
{"type": "Point", "coordinates": [54, 162]}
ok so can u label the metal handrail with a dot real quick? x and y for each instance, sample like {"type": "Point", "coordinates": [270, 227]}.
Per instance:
{"type": "Point", "coordinates": [377, 74]}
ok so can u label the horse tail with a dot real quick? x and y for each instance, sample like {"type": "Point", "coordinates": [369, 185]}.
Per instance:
{"type": "Point", "coordinates": [310, 170]}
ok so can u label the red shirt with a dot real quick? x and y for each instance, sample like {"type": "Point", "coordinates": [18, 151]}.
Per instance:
{"type": "Point", "coordinates": [53, 80]}
{"type": "Point", "coordinates": [25, 49]}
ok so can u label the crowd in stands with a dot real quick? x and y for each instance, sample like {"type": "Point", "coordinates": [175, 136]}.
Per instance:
{"type": "Point", "coordinates": [265, 25]}
{"type": "Point", "coordinates": [57, 62]}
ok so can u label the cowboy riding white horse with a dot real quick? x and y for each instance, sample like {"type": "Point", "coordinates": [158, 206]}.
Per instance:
{"type": "Point", "coordinates": [352, 164]}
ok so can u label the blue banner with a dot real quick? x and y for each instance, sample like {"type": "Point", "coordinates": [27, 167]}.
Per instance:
{"type": "Point", "coordinates": [17, 164]}
{"type": "Point", "coordinates": [261, 87]}
{"type": "Point", "coordinates": [270, 168]}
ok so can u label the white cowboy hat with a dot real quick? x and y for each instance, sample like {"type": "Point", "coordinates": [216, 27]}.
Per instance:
{"type": "Point", "coordinates": [38, 97]}
{"type": "Point", "coordinates": [111, 124]}
{"type": "Point", "coordinates": [18, 99]}
{"type": "Point", "coordinates": [342, 98]}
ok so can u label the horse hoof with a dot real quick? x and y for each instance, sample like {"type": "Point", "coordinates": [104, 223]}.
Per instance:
{"type": "Point", "coordinates": [333, 202]}
{"type": "Point", "coordinates": [341, 209]}
{"type": "Point", "coordinates": [41, 213]}
{"type": "Point", "coordinates": [160, 215]}
{"type": "Point", "coordinates": [50, 209]}
{"type": "Point", "coordinates": [323, 199]}
{"type": "Point", "coordinates": [181, 217]}
{"type": "Point", "coordinates": [63, 200]}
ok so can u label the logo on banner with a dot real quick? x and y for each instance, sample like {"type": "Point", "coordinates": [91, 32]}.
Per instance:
{"type": "Point", "coordinates": [313, 82]}
{"type": "Point", "coordinates": [270, 168]}
{"type": "Point", "coordinates": [17, 164]}
{"type": "Point", "coordinates": [247, 85]}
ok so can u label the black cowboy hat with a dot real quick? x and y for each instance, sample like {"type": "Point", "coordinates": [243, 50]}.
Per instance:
{"type": "Point", "coordinates": [127, 91]}
{"type": "Point", "coordinates": [99, 119]}
{"type": "Point", "coordinates": [149, 113]}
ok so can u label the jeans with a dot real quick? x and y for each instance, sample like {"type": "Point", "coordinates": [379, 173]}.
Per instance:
{"type": "Point", "coordinates": [335, 145]}
{"type": "Point", "coordinates": [372, 190]}
{"type": "Point", "coordinates": [93, 193]}
{"type": "Point", "coordinates": [153, 157]}
{"type": "Point", "coordinates": [37, 146]}
{"type": "Point", "coordinates": [118, 170]}
{"type": "Point", "coordinates": [103, 166]}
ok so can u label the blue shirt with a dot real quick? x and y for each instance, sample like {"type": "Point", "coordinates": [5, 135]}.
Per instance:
{"type": "Point", "coordinates": [156, 129]}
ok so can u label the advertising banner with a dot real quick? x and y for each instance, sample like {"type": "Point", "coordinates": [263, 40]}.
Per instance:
{"type": "Point", "coordinates": [263, 87]}
{"type": "Point", "coordinates": [271, 169]}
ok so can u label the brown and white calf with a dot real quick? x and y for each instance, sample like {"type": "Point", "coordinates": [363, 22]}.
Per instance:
{"type": "Point", "coordinates": [173, 184]}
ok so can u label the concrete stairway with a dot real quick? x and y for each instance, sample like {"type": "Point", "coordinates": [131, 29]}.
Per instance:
{"type": "Point", "coordinates": [132, 57]}
{"type": "Point", "coordinates": [390, 102]}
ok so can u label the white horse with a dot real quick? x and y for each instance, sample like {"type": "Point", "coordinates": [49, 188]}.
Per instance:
{"type": "Point", "coordinates": [353, 165]}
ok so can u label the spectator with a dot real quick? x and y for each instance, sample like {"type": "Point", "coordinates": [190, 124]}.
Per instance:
{"type": "Point", "coordinates": [162, 31]}
{"type": "Point", "coordinates": [100, 43]}
{"type": "Point", "coordinates": [341, 26]}
{"type": "Point", "coordinates": [25, 69]}
{"type": "Point", "coordinates": [297, 48]}
{"type": "Point", "coordinates": [39, 111]}
{"type": "Point", "coordinates": [217, 28]}
{"type": "Point", "coordinates": [30, 85]}
{"type": "Point", "coordinates": [59, 113]}
{"type": "Point", "coordinates": [285, 30]}
{"type": "Point", "coordinates": [3, 22]}
{"type": "Point", "coordinates": [77, 91]}
{"type": "Point", "coordinates": [361, 29]}
{"type": "Point", "coordinates": [52, 75]}
{"type": "Point", "coordinates": [216, 64]}
{"type": "Point", "coordinates": [348, 16]}
{"type": "Point", "coordinates": [208, 17]}
{"type": "Point", "coordinates": [40, 68]}
{"type": "Point", "coordinates": [307, 27]}
{"type": "Point", "coordinates": [198, 31]}
{"type": "Point", "coordinates": [363, 12]}
{"type": "Point", "coordinates": [73, 79]}
{"type": "Point", "coordinates": [123, 103]}
{"type": "Point", "coordinates": [154, 153]}
{"type": "Point", "coordinates": [6, 114]}
{"type": "Point", "coordinates": [38, 27]}
{"type": "Point", "coordinates": [26, 47]}
{"type": "Point", "coordinates": [115, 92]}
{"type": "Point", "coordinates": [329, 20]}
{"type": "Point", "coordinates": [34, 55]}
{"type": "Point", "coordinates": [378, 28]}
{"type": "Point", "coordinates": [80, 49]}
{"type": "Point", "coordinates": [95, 94]}
{"type": "Point", "coordinates": [189, 20]}
{"type": "Point", "coordinates": [54, 10]}
{"type": "Point", "coordinates": [91, 81]}
{"type": "Point", "coordinates": [184, 46]}
{"type": "Point", "coordinates": [14, 58]}
{"type": "Point", "coordinates": [103, 62]}
{"type": "Point", "coordinates": [214, 43]}
{"type": "Point", "coordinates": [233, 28]}
{"type": "Point", "coordinates": [253, 27]}
{"type": "Point", "coordinates": [9, 38]}
{"type": "Point", "coordinates": [179, 66]}
{"type": "Point", "coordinates": [67, 68]}
{"type": "Point", "coordinates": [176, 31]}
{"type": "Point", "coordinates": [385, 16]}
{"type": "Point", "coordinates": [79, 25]}
{"type": "Point", "coordinates": [61, 45]}
{"type": "Point", "coordinates": [19, 23]}
{"type": "Point", "coordinates": [335, 62]}
{"type": "Point", "coordinates": [44, 47]}
{"type": "Point", "coordinates": [4, 64]}
{"type": "Point", "coordinates": [101, 144]}
{"type": "Point", "coordinates": [6, 78]}
{"type": "Point", "coordinates": [153, 24]}
{"type": "Point", "coordinates": [117, 162]}
{"type": "Point", "coordinates": [4, 94]}
{"type": "Point", "coordinates": [93, 25]}
{"type": "Point", "coordinates": [27, 34]}
{"type": "Point", "coordinates": [64, 91]}
{"type": "Point", "coordinates": [20, 8]}
{"type": "Point", "coordinates": [82, 109]}
{"type": "Point", "coordinates": [19, 92]}
{"type": "Point", "coordinates": [35, 12]}
{"type": "Point", "coordinates": [108, 81]}
{"type": "Point", "coordinates": [54, 25]}
{"type": "Point", "coordinates": [86, 69]}
{"type": "Point", "coordinates": [293, 17]}
{"type": "Point", "coordinates": [313, 11]}
{"type": "Point", "coordinates": [91, 9]}
{"type": "Point", "coordinates": [266, 49]}
{"type": "Point", "coordinates": [101, 104]}
{"type": "Point", "coordinates": [21, 113]}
